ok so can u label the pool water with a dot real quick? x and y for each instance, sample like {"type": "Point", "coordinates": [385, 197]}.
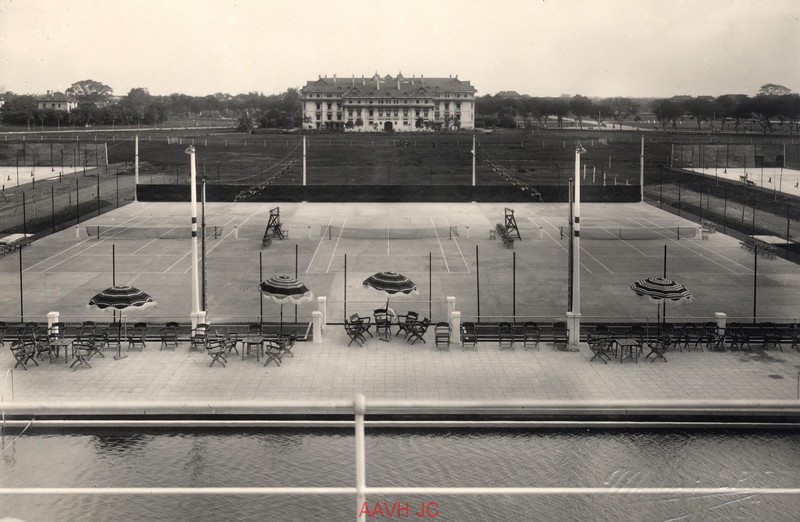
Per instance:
{"type": "Point", "coordinates": [291, 457]}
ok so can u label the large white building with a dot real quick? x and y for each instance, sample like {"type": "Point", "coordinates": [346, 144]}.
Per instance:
{"type": "Point", "coordinates": [388, 103]}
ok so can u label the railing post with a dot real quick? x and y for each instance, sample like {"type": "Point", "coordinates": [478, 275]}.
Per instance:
{"type": "Point", "coordinates": [322, 306]}
{"type": "Point", "coordinates": [360, 407]}
{"type": "Point", "coordinates": [316, 319]}
{"type": "Point", "coordinates": [52, 317]}
{"type": "Point", "coordinates": [455, 327]}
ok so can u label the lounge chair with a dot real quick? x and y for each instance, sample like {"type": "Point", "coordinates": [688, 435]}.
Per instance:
{"type": "Point", "coordinates": [468, 336]}
{"type": "Point", "coordinates": [505, 336]}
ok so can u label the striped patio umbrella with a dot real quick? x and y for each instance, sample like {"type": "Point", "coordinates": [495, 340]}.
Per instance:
{"type": "Point", "coordinates": [282, 289]}
{"type": "Point", "coordinates": [121, 297]}
{"type": "Point", "coordinates": [391, 283]}
{"type": "Point", "coordinates": [662, 289]}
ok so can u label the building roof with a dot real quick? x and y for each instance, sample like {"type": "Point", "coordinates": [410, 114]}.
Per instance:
{"type": "Point", "coordinates": [387, 86]}
{"type": "Point", "coordinates": [55, 97]}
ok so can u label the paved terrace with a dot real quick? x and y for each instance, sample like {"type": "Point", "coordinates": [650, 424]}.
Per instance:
{"type": "Point", "coordinates": [398, 370]}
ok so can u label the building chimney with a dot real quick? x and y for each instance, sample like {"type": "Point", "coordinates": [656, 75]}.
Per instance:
{"type": "Point", "coordinates": [421, 78]}
{"type": "Point", "coordinates": [354, 80]}
{"type": "Point", "coordinates": [334, 78]}
{"type": "Point", "coordinates": [412, 79]}
{"type": "Point", "coordinates": [363, 81]}
{"type": "Point", "coordinates": [398, 84]}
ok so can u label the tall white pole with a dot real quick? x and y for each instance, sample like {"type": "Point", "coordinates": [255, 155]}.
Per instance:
{"type": "Point", "coordinates": [473, 160]}
{"type": "Point", "coordinates": [304, 161]}
{"type": "Point", "coordinates": [576, 249]}
{"type": "Point", "coordinates": [136, 168]}
{"type": "Point", "coordinates": [641, 172]}
{"type": "Point", "coordinates": [574, 315]}
{"type": "Point", "coordinates": [195, 281]}
{"type": "Point", "coordinates": [105, 145]}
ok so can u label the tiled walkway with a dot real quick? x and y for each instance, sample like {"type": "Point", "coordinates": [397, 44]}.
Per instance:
{"type": "Point", "coordinates": [398, 370]}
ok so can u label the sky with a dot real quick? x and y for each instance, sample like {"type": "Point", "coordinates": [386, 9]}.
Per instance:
{"type": "Point", "coordinates": [637, 48]}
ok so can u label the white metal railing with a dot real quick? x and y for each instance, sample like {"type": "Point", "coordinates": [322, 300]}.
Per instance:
{"type": "Point", "coordinates": [359, 408]}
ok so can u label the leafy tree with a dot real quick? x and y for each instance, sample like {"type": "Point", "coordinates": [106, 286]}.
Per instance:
{"type": "Point", "coordinates": [136, 101]}
{"type": "Point", "coordinates": [773, 89]}
{"type": "Point", "coordinates": [623, 108]}
{"type": "Point", "coordinates": [667, 111]}
{"type": "Point", "coordinates": [89, 90]}
{"type": "Point", "coordinates": [245, 123]}
{"type": "Point", "coordinates": [581, 107]}
{"type": "Point", "coordinates": [791, 111]}
{"type": "Point", "coordinates": [765, 108]}
{"type": "Point", "coordinates": [699, 109]}
{"type": "Point", "coordinates": [559, 107]}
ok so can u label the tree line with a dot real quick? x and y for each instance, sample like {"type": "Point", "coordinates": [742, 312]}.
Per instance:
{"type": "Point", "coordinates": [96, 105]}
{"type": "Point", "coordinates": [773, 107]}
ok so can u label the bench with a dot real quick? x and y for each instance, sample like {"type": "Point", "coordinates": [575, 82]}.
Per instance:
{"type": "Point", "coordinates": [12, 242]}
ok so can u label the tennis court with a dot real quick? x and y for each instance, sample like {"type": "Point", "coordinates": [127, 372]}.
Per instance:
{"type": "Point", "coordinates": [451, 255]}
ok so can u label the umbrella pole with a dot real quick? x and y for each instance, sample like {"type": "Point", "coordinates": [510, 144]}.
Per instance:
{"type": "Point", "coordinates": [280, 329]}
{"type": "Point", "coordinates": [119, 338]}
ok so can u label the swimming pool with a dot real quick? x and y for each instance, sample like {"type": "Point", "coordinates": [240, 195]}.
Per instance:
{"type": "Point", "coordinates": [401, 457]}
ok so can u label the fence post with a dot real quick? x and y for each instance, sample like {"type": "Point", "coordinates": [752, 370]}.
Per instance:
{"type": "Point", "coordinates": [359, 408]}
{"type": "Point", "coordinates": [322, 306]}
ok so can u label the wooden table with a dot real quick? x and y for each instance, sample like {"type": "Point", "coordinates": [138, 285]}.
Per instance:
{"type": "Point", "coordinates": [252, 340]}
{"type": "Point", "coordinates": [630, 345]}
{"type": "Point", "coordinates": [58, 344]}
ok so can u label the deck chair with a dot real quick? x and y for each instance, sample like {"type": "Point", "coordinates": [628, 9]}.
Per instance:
{"type": "Point", "coordinates": [169, 335]}
{"type": "Point", "coordinates": [199, 337]}
{"type": "Point", "coordinates": [560, 334]}
{"type": "Point", "coordinates": [418, 331]}
{"type": "Point", "coordinates": [215, 347]}
{"type": "Point", "coordinates": [441, 335]}
{"type": "Point", "coordinates": [24, 351]}
{"type": "Point", "coordinates": [355, 332]}
{"type": "Point", "coordinates": [274, 351]}
{"type": "Point", "coordinates": [83, 348]}
{"type": "Point", "coordinates": [137, 337]}
{"type": "Point", "coordinates": [531, 333]}
{"type": "Point", "coordinates": [468, 336]}
{"type": "Point", "coordinates": [365, 322]}
{"type": "Point", "coordinates": [600, 346]}
{"type": "Point", "coordinates": [288, 342]}
{"type": "Point", "coordinates": [383, 325]}
{"type": "Point", "coordinates": [659, 347]}
{"type": "Point", "coordinates": [505, 336]}
{"type": "Point", "coordinates": [771, 335]}
{"type": "Point", "coordinates": [405, 321]}
{"type": "Point", "coordinates": [231, 340]}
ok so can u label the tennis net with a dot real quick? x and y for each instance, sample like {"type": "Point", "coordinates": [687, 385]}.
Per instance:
{"type": "Point", "coordinates": [334, 232]}
{"type": "Point", "coordinates": [138, 232]}
{"type": "Point", "coordinates": [631, 233]}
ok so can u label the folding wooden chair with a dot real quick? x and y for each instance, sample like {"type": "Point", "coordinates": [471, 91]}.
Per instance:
{"type": "Point", "coordinates": [215, 347]}
{"type": "Point", "coordinates": [418, 331]}
{"type": "Point", "coordinates": [505, 336]}
{"type": "Point", "coordinates": [169, 335]}
{"type": "Point", "coordinates": [137, 337]}
{"type": "Point", "coordinates": [600, 347]}
{"type": "Point", "coordinates": [3, 328]}
{"type": "Point", "coordinates": [273, 351]}
{"type": "Point", "coordinates": [405, 321]}
{"type": "Point", "coordinates": [383, 325]}
{"type": "Point", "coordinates": [288, 342]}
{"type": "Point", "coordinates": [659, 347]}
{"type": "Point", "coordinates": [83, 349]}
{"type": "Point", "coordinates": [24, 351]}
{"type": "Point", "coordinates": [560, 334]}
{"type": "Point", "coordinates": [355, 332]}
{"type": "Point", "coordinates": [531, 333]}
{"type": "Point", "coordinates": [441, 335]}
{"type": "Point", "coordinates": [199, 337]}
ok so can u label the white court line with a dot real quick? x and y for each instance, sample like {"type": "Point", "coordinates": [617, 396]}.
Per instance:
{"type": "Point", "coordinates": [190, 250]}
{"type": "Point", "coordinates": [89, 248]}
{"type": "Point", "coordinates": [321, 239]}
{"type": "Point", "coordinates": [70, 248]}
{"type": "Point", "coordinates": [335, 246]}
{"type": "Point", "coordinates": [698, 253]}
{"type": "Point", "coordinates": [565, 249]}
{"type": "Point", "coordinates": [620, 239]}
{"type": "Point", "coordinates": [143, 247]}
{"type": "Point", "coordinates": [458, 247]}
{"type": "Point", "coordinates": [440, 246]}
